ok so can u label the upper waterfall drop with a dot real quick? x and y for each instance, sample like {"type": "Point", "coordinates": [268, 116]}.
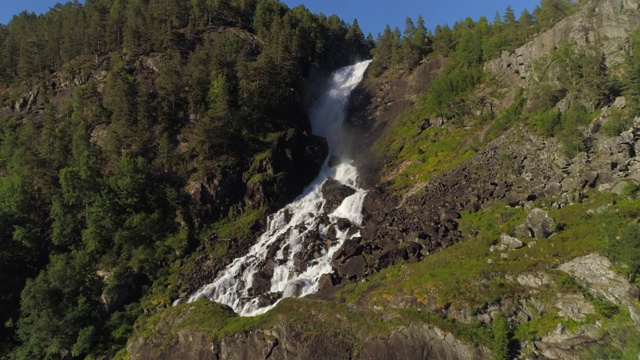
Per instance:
{"type": "Point", "coordinates": [289, 258]}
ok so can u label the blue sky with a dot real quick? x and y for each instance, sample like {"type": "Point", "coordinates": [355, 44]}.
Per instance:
{"type": "Point", "coordinates": [372, 15]}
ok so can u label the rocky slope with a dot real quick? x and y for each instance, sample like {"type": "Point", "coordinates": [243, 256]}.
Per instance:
{"type": "Point", "coordinates": [537, 268]}
{"type": "Point", "coordinates": [293, 341]}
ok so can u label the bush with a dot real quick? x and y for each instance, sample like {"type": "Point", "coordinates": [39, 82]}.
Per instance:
{"type": "Point", "coordinates": [616, 124]}
{"type": "Point", "coordinates": [547, 122]}
{"type": "Point", "coordinates": [501, 337]}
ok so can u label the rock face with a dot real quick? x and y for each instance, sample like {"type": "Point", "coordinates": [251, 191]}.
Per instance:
{"type": "Point", "coordinates": [334, 193]}
{"type": "Point", "coordinates": [594, 272]}
{"type": "Point", "coordinates": [609, 23]}
{"type": "Point", "coordinates": [292, 162]}
{"type": "Point", "coordinates": [286, 341]}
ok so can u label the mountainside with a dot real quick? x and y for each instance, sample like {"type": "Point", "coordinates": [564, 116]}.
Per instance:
{"type": "Point", "coordinates": [142, 145]}
{"type": "Point", "coordinates": [501, 162]}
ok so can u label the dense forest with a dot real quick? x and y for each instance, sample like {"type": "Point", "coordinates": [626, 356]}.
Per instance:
{"type": "Point", "coordinates": [94, 210]}
{"type": "Point", "coordinates": [113, 109]}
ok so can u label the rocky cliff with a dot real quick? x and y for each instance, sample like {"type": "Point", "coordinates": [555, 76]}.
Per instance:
{"type": "Point", "coordinates": [288, 336]}
{"type": "Point", "coordinates": [605, 25]}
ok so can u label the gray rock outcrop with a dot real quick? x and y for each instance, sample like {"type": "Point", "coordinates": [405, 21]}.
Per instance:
{"type": "Point", "coordinates": [594, 272]}
{"type": "Point", "coordinates": [290, 342]}
{"type": "Point", "coordinates": [510, 242]}
{"type": "Point", "coordinates": [609, 23]}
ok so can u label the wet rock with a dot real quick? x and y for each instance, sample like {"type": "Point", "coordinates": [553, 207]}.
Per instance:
{"type": "Point", "coordinates": [343, 224]}
{"type": "Point", "coordinates": [540, 223]}
{"type": "Point", "coordinates": [331, 233]}
{"type": "Point", "coordinates": [261, 282]}
{"type": "Point", "coordinates": [299, 263]}
{"type": "Point", "coordinates": [334, 193]}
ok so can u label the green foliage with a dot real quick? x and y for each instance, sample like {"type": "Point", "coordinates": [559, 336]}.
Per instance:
{"type": "Point", "coordinates": [501, 337]}
{"type": "Point", "coordinates": [621, 341]}
{"type": "Point", "coordinates": [59, 307]}
{"type": "Point", "coordinates": [624, 245]}
{"type": "Point", "coordinates": [547, 122]}
{"type": "Point", "coordinates": [630, 190]}
{"type": "Point", "coordinates": [617, 122]}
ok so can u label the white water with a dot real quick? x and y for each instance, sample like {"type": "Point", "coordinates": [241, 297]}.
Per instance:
{"type": "Point", "coordinates": [293, 229]}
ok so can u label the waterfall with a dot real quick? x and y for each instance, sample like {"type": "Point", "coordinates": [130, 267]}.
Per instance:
{"type": "Point", "coordinates": [293, 253]}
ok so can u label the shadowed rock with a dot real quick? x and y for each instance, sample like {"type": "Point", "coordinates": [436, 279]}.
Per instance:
{"type": "Point", "coordinates": [334, 193]}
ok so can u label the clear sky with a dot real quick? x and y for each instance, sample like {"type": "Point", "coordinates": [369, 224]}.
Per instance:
{"type": "Point", "coordinates": [372, 15]}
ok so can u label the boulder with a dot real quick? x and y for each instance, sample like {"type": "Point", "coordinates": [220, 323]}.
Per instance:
{"type": "Point", "coordinates": [574, 306]}
{"type": "Point", "coordinates": [522, 231]}
{"type": "Point", "coordinates": [261, 282]}
{"type": "Point", "coordinates": [348, 249]}
{"type": "Point", "coordinates": [326, 281]}
{"type": "Point", "coordinates": [334, 192]}
{"type": "Point", "coordinates": [540, 223]}
{"type": "Point", "coordinates": [343, 224]}
{"type": "Point", "coordinates": [354, 267]}
{"type": "Point", "coordinates": [510, 242]}
{"type": "Point", "coordinates": [533, 280]}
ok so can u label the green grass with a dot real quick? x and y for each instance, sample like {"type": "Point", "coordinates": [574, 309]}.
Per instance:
{"type": "Point", "coordinates": [437, 280]}
{"type": "Point", "coordinates": [238, 226]}
{"type": "Point", "coordinates": [423, 155]}
{"type": "Point", "coordinates": [419, 293]}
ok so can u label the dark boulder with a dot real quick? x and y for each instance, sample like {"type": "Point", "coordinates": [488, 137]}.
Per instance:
{"type": "Point", "coordinates": [343, 224]}
{"type": "Point", "coordinates": [348, 249]}
{"type": "Point", "coordinates": [355, 267]}
{"type": "Point", "coordinates": [334, 193]}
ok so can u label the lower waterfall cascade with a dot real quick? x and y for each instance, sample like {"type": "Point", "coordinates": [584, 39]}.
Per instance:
{"type": "Point", "coordinates": [289, 258]}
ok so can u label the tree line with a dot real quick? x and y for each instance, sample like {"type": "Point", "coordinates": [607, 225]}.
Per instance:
{"type": "Point", "coordinates": [95, 221]}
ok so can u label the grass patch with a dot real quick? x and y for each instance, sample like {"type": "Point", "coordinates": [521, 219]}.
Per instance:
{"type": "Point", "coordinates": [437, 280]}
{"type": "Point", "coordinates": [238, 226]}
{"type": "Point", "coordinates": [425, 154]}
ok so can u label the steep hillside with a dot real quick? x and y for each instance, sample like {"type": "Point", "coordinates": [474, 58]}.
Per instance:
{"type": "Point", "coordinates": [502, 214]}
{"type": "Point", "coordinates": [142, 144]}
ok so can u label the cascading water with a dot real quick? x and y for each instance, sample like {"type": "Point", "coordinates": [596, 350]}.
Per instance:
{"type": "Point", "coordinates": [296, 250]}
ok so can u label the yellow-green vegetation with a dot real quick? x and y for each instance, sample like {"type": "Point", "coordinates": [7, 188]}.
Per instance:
{"type": "Point", "coordinates": [423, 155]}
{"type": "Point", "coordinates": [462, 278]}
{"type": "Point", "coordinates": [238, 226]}
{"type": "Point", "coordinates": [312, 317]}
{"type": "Point", "coordinates": [456, 279]}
